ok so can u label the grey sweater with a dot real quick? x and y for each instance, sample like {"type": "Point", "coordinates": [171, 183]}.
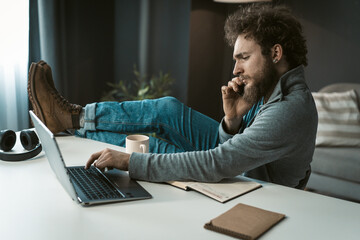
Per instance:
{"type": "Point", "coordinates": [277, 147]}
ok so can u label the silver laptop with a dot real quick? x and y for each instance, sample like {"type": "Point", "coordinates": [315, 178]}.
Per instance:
{"type": "Point", "coordinates": [87, 186]}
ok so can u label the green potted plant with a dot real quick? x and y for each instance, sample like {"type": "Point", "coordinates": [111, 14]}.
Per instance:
{"type": "Point", "coordinates": [140, 88]}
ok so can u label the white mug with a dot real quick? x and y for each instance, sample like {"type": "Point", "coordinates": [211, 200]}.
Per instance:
{"type": "Point", "coordinates": [137, 143]}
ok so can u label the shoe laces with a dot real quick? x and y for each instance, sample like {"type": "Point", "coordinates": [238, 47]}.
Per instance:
{"type": "Point", "coordinates": [64, 103]}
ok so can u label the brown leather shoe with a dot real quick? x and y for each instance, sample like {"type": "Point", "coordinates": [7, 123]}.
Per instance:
{"type": "Point", "coordinates": [48, 73]}
{"type": "Point", "coordinates": [52, 108]}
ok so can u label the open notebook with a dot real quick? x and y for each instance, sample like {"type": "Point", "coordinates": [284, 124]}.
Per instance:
{"type": "Point", "coordinates": [223, 191]}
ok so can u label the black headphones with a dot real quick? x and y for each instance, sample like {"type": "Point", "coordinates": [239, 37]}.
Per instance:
{"type": "Point", "coordinates": [29, 141]}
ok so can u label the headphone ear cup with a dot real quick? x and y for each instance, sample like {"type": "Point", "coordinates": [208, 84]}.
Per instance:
{"type": "Point", "coordinates": [7, 140]}
{"type": "Point", "coordinates": [29, 139]}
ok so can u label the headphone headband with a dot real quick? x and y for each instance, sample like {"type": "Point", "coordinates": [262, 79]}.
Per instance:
{"type": "Point", "coordinates": [21, 156]}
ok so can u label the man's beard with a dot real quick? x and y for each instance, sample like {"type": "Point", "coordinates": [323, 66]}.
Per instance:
{"type": "Point", "coordinates": [263, 84]}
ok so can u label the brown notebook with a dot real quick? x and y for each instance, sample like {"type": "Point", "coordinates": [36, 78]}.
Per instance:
{"type": "Point", "coordinates": [244, 221]}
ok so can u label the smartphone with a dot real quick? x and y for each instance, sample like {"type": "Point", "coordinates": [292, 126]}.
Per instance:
{"type": "Point", "coordinates": [241, 89]}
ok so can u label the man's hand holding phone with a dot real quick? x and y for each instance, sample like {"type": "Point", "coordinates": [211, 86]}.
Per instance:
{"type": "Point", "coordinates": [235, 107]}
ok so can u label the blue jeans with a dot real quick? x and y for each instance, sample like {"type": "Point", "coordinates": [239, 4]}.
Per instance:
{"type": "Point", "coordinates": [177, 127]}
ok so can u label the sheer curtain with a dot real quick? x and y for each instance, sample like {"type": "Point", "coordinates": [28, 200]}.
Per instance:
{"type": "Point", "coordinates": [14, 41]}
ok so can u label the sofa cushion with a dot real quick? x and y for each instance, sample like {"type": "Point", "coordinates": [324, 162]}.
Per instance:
{"type": "Point", "coordinates": [341, 162]}
{"type": "Point", "coordinates": [339, 119]}
{"type": "Point", "coordinates": [343, 87]}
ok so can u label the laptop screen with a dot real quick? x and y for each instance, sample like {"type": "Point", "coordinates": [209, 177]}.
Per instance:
{"type": "Point", "coordinates": [53, 154]}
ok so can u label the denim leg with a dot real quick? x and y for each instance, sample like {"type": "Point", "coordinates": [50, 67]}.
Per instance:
{"type": "Point", "coordinates": [177, 127]}
{"type": "Point", "coordinates": [156, 145]}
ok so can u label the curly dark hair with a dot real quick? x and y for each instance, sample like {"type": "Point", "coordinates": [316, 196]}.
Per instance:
{"type": "Point", "coordinates": [269, 25]}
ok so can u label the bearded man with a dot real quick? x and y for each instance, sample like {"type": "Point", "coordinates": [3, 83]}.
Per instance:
{"type": "Point", "coordinates": [268, 131]}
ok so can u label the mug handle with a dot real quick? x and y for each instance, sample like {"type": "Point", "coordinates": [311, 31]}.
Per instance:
{"type": "Point", "coordinates": [143, 147]}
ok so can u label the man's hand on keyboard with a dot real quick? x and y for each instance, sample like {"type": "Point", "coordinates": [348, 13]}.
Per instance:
{"type": "Point", "coordinates": [109, 158]}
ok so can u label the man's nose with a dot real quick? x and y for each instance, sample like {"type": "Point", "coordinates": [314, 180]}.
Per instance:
{"type": "Point", "coordinates": [237, 69]}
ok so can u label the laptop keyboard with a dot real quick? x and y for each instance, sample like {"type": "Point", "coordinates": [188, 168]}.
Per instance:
{"type": "Point", "coordinates": [93, 184]}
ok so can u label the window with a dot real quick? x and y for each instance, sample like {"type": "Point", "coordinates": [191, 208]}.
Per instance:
{"type": "Point", "coordinates": [14, 41]}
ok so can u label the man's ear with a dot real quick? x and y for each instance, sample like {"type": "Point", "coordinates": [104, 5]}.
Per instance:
{"type": "Point", "coordinates": [276, 53]}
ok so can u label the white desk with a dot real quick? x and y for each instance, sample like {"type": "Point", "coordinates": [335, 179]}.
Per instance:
{"type": "Point", "coordinates": [43, 210]}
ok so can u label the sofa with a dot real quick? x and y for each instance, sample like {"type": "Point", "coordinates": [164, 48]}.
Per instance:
{"type": "Point", "coordinates": [336, 164]}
